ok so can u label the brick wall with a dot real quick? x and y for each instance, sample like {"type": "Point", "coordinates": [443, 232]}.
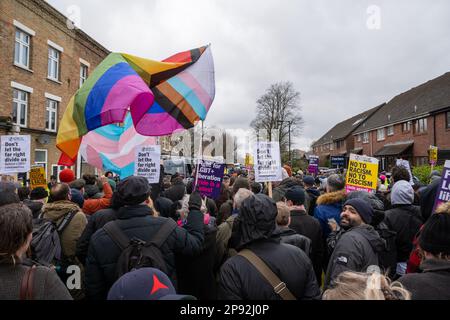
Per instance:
{"type": "Point", "coordinates": [48, 25]}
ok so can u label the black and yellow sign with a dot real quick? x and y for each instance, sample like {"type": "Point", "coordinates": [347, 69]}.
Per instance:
{"type": "Point", "coordinates": [37, 177]}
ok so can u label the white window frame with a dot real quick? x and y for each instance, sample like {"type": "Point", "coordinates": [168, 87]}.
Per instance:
{"type": "Point", "coordinates": [50, 110]}
{"type": "Point", "coordinates": [83, 77]}
{"type": "Point", "coordinates": [51, 60]}
{"type": "Point", "coordinates": [407, 125]}
{"type": "Point", "coordinates": [19, 105]}
{"type": "Point", "coordinates": [59, 168]}
{"type": "Point", "coordinates": [358, 138]}
{"type": "Point", "coordinates": [40, 162]}
{"type": "Point", "coordinates": [390, 130]}
{"type": "Point", "coordinates": [380, 134]}
{"type": "Point", "coordinates": [22, 45]}
{"type": "Point", "coordinates": [365, 137]}
{"type": "Point", "coordinates": [421, 125]}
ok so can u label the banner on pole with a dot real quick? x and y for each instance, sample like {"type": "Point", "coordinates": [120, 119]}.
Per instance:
{"type": "Point", "coordinates": [147, 162]}
{"type": "Point", "coordinates": [362, 174]}
{"type": "Point", "coordinates": [313, 167]}
{"type": "Point", "coordinates": [267, 161]}
{"type": "Point", "coordinates": [337, 161]}
{"type": "Point", "coordinates": [443, 193]}
{"type": "Point", "coordinates": [14, 154]}
{"type": "Point", "coordinates": [209, 178]}
{"type": "Point", "coordinates": [38, 177]}
{"type": "Point", "coordinates": [433, 153]}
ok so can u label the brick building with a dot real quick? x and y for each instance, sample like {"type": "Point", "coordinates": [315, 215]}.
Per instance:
{"type": "Point", "coordinates": [404, 127]}
{"type": "Point", "coordinates": [339, 141]}
{"type": "Point", "coordinates": [42, 63]}
{"type": "Point", "coordinates": [408, 124]}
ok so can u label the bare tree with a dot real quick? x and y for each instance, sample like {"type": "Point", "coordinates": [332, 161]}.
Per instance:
{"type": "Point", "coordinates": [279, 103]}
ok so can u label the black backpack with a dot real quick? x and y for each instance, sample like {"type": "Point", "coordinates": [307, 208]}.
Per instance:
{"type": "Point", "coordinates": [46, 241]}
{"type": "Point", "coordinates": [137, 253]}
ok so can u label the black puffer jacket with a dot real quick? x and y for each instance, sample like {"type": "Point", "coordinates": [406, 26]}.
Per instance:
{"type": "Point", "coordinates": [238, 277]}
{"type": "Point", "coordinates": [136, 221]}
{"type": "Point", "coordinates": [96, 222]}
{"type": "Point", "coordinates": [405, 220]}
{"type": "Point", "coordinates": [313, 194]}
{"type": "Point", "coordinates": [356, 250]}
{"type": "Point", "coordinates": [196, 275]}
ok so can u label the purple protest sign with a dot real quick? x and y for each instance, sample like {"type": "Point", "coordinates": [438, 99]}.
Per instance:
{"type": "Point", "coordinates": [313, 167]}
{"type": "Point", "coordinates": [443, 193]}
{"type": "Point", "coordinates": [209, 178]}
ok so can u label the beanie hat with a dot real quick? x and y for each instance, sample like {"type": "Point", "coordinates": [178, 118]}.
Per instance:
{"type": "Point", "coordinates": [402, 193]}
{"type": "Point", "coordinates": [145, 284]}
{"type": "Point", "coordinates": [77, 197]}
{"type": "Point", "coordinates": [195, 201]}
{"type": "Point", "coordinates": [362, 207]}
{"type": "Point", "coordinates": [309, 180]}
{"type": "Point", "coordinates": [77, 184]}
{"type": "Point", "coordinates": [435, 235]}
{"type": "Point", "coordinates": [296, 195]}
{"type": "Point", "coordinates": [133, 190]}
{"type": "Point", "coordinates": [66, 176]}
{"type": "Point", "coordinates": [38, 193]}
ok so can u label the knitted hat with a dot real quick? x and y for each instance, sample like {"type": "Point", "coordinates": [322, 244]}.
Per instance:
{"type": "Point", "coordinates": [133, 190]}
{"type": "Point", "coordinates": [309, 180]}
{"type": "Point", "coordinates": [402, 193]}
{"type": "Point", "coordinates": [66, 176]}
{"type": "Point", "coordinates": [296, 195]}
{"type": "Point", "coordinates": [362, 207]}
{"type": "Point", "coordinates": [145, 284]}
{"type": "Point", "coordinates": [435, 235]}
{"type": "Point", "coordinates": [38, 193]}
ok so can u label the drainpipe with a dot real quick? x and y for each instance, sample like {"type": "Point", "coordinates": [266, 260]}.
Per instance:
{"type": "Point", "coordinates": [434, 129]}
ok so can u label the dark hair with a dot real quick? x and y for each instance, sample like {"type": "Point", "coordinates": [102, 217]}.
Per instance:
{"type": "Point", "coordinates": [15, 226]}
{"type": "Point", "coordinates": [8, 197]}
{"type": "Point", "coordinates": [256, 187]}
{"type": "Point", "coordinates": [400, 173]}
{"type": "Point", "coordinates": [108, 172]}
{"type": "Point", "coordinates": [116, 202]}
{"type": "Point", "coordinates": [23, 193]}
{"type": "Point", "coordinates": [90, 178]}
{"type": "Point", "coordinates": [60, 192]}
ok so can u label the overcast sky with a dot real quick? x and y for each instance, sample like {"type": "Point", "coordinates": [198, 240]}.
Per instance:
{"type": "Point", "coordinates": [340, 57]}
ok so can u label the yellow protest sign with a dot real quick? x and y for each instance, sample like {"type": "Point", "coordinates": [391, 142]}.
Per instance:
{"type": "Point", "coordinates": [248, 160]}
{"type": "Point", "coordinates": [433, 152]}
{"type": "Point", "coordinates": [37, 177]}
{"type": "Point", "coordinates": [362, 174]}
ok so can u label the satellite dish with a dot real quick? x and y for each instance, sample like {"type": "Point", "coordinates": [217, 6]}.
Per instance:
{"type": "Point", "coordinates": [44, 139]}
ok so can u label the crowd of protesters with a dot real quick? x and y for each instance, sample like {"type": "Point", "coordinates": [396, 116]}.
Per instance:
{"type": "Point", "coordinates": [133, 240]}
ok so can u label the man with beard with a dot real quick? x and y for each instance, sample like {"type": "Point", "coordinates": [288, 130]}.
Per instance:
{"type": "Point", "coordinates": [358, 247]}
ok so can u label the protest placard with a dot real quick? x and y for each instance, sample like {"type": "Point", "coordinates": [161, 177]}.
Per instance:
{"type": "Point", "coordinates": [443, 193]}
{"type": "Point", "coordinates": [267, 161]}
{"type": "Point", "coordinates": [405, 164]}
{"type": "Point", "coordinates": [433, 155]}
{"type": "Point", "coordinates": [337, 161]}
{"type": "Point", "coordinates": [362, 174]}
{"type": "Point", "coordinates": [14, 154]}
{"type": "Point", "coordinates": [37, 177]}
{"type": "Point", "coordinates": [209, 178]}
{"type": "Point", "coordinates": [313, 167]}
{"type": "Point", "coordinates": [147, 162]}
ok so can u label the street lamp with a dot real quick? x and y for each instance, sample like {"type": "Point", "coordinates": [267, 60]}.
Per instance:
{"type": "Point", "coordinates": [289, 132]}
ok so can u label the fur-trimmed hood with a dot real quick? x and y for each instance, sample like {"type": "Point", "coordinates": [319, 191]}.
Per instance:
{"type": "Point", "coordinates": [332, 197]}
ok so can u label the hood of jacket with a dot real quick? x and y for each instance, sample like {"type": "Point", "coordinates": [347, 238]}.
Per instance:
{"type": "Point", "coordinates": [313, 191]}
{"type": "Point", "coordinates": [34, 206]}
{"type": "Point", "coordinates": [56, 210]}
{"type": "Point", "coordinates": [256, 219]}
{"type": "Point", "coordinates": [332, 198]}
{"type": "Point", "coordinates": [433, 265]}
{"type": "Point", "coordinates": [282, 231]}
{"type": "Point", "coordinates": [367, 231]}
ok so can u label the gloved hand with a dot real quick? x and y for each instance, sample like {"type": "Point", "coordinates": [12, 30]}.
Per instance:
{"type": "Point", "coordinates": [195, 201]}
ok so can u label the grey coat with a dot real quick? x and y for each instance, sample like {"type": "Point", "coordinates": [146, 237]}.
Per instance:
{"type": "Point", "coordinates": [289, 236]}
{"type": "Point", "coordinates": [46, 284]}
{"type": "Point", "coordinates": [432, 284]}
{"type": "Point", "coordinates": [356, 250]}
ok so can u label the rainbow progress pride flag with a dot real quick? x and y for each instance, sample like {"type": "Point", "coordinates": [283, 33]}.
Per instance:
{"type": "Point", "coordinates": [161, 97]}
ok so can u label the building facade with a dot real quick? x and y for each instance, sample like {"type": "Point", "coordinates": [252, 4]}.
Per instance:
{"type": "Point", "coordinates": [43, 63]}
